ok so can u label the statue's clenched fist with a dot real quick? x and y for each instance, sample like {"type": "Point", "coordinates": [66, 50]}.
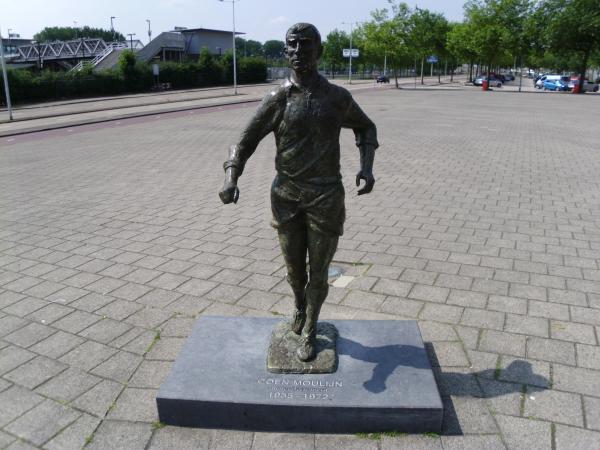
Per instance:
{"type": "Point", "coordinates": [229, 192]}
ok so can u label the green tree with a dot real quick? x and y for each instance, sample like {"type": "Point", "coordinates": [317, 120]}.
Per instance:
{"type": "Point", "coordinates": [274, 49]}
{"type": "Point", "coordinates": [491, 37]}
{"type": "Point", "coordinates": [461, 45]}
{"type": "Point", "coordinates": [209, 68]}
{"type": "Point", "coordinates": [335, 42]}
{"type": "Point", "coordinates": [68, 33]}
{"type": "Point", "coordinates": [384, 37]}
{"type": "Point", "coordinates": [248, 47]}
{"type": "Point", "coordinates": [573, 31]}
{"type": "Point", "coordinates": [427, 34]}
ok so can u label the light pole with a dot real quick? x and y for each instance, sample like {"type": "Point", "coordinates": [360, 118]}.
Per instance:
{"type": "Point", "coordinates": [112, 28]}
{"type": "Point", "coordinates": [350, 65]}
{"type": "Point", "coordinates": [233, 42]}
{"type": "Point", "coordinates": [131, 35]}
{"type": "Point", "coordinates": [149, 31]}
{"type": "Point", "coordinates": [350, 68]}
{"type": "Point", "coordinates": [75, 26]}
{"type": "Point", "coordinates": [5, 76]}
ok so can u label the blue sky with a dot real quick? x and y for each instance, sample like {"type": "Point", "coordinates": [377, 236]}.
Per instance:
{"type": "Point", "coordinates": [259, 19]}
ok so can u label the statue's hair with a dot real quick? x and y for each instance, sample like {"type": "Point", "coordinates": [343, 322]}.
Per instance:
{"type": "Point", "coordinates": [302, 26]}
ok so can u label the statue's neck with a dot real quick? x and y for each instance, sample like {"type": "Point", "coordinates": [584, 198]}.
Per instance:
{"type": "Point", "coordinates": [305, 79]}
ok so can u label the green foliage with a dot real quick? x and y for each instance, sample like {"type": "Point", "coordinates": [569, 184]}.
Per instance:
{"type": "Point", "coordinates": [130, 76]}
{"type": "Point", "coordinates": [68, 33]}
{"type": "Point", "coordinates": [136, 76]}
{"type": "Point", "coordinates": [274, 49]}
{"type": "Point", "coordinates": [248, 47]}
{"type": "Point", "coordinates": [209, 68]}
{"type": "Point", "coordinates": [333, 45]}
{"type": "Point", "coordinates": [252, 70]}
{"type": "Point", "coordinates": [27, 87]}
{"type": "Point", "coordinates": [573, 30]}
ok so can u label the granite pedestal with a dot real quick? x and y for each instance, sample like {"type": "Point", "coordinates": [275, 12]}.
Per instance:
{"type": "Point", "coordinates": [383, 382]}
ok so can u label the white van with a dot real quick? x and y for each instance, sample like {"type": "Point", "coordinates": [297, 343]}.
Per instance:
{"type": "Point", "coordinates": [540, 83]}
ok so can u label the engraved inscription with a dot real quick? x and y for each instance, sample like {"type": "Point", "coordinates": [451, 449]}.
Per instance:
{"type": "Point", "coordinates": [300, 389]}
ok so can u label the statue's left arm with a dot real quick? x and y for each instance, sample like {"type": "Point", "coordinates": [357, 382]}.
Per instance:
{"type": "Point", "coordinates": [366, 141]}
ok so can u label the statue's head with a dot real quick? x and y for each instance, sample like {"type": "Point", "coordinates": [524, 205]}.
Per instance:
{"type": "Point", "coordinates": [303, 47]}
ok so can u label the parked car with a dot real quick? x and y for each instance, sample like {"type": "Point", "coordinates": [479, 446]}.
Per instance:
{"type": "Point", "coordinates": [382, 79]}
{"type": "Point", "coordinates": [587, 85]}
{"type": "Point", "coordinates": [555, 85]}
{"type": "Point", "coordinates": [509, 76]}
{"type": "Point", "coordinates": [493, 82]}
{"type": "Point", "coordinates": [540, 82]}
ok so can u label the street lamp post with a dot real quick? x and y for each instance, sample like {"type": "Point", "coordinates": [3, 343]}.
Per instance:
{"type": "Point", "coordinates": [149, 31]}
{"type": "Point", "coordinates": [112, 28]}
{"type": "Point", "coordinates": [131, 35]}
{"type": "Point", "coordinates": [75, 26]}
{"type": "Point", "coordinates": [350, 64]}
{"type": "Point", "coordinates": [233, 43]}
{"type": "Point", "coordinates": [5, 76]}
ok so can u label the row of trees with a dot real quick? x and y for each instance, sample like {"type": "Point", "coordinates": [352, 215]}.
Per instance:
{"type": "Point", "coordinates": [50, 34]}
{"type": "Point", "coordinates": [562, 35]}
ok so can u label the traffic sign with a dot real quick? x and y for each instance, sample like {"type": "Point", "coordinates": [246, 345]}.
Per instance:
{"type": "Point", "coordinates": [432, 59]}
{"type": "Point", "coordinates": [346, 52]}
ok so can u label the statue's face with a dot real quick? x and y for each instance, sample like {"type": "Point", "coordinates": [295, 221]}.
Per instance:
{"type": "Point", "coordinates": [302, 51]}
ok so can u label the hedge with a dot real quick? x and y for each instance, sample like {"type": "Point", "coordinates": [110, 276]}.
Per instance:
{"type": "Point", "coordinates": [130, 76]}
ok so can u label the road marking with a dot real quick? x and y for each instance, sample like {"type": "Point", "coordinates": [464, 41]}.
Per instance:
{"type": "Point", "coordinates": [70, 130]}
{"type": "Point", "coordinates": [10, 140]}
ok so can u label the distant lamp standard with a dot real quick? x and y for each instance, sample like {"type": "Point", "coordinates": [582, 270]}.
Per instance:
{"type": "Point", "coordinates": [233, 42]}
{"type": "Point", "coordinates": [75, 26]}
{"type": "Point", "coordinates": [112, 28]}
{"type": "Point", "coordinates": [5, 76]}
{"type": "Point", "coordinates": [149, 31]}
{"type": "Point", "coordinates": [350, 68]}
{"type": "Point", "coordinates": [131, 35]}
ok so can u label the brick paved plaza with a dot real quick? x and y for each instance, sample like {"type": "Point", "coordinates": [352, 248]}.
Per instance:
{"type": "Point", "coordinates": [484, 225]}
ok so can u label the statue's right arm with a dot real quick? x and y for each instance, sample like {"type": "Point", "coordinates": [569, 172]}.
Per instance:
{"type": "Point", "coordinates": [262, 123]}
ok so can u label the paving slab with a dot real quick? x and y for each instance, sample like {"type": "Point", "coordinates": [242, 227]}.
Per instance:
{"type": "Point", "coordinates": [495, 212]}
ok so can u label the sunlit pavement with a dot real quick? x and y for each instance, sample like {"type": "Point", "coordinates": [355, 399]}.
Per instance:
{"type": "Point", "coordinates": [484, 226]}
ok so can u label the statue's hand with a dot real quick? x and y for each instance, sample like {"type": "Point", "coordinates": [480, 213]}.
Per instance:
{"type": "Point", "coordinates": [369, 181]}
{"type": "Point", "coordinates": [229, 192]}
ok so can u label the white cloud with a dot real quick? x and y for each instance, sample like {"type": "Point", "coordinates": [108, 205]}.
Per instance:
{"type": "Point", "coordinates": [279, 19]}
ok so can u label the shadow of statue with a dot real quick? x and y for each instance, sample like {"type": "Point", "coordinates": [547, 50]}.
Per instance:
{"type": "Point", "coordinates": [386, 359]}
{"type": "Point", "coordinates": [486, 383]}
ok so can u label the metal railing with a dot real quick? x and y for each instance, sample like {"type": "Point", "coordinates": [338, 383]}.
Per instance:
{"type": "Point", "coordinates": [76, 48]}
{"type": "Point", "coordinates": [111, 46]}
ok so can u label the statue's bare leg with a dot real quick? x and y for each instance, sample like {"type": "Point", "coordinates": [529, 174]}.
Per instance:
{"type": "Point", "coordinates": [321, 248]}
{"type": "Point", "coordinates": [292, 239]}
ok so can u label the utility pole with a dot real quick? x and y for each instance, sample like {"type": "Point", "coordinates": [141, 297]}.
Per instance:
{"type": "Point", "coordinates": [233, 43]}
{"type": "Point", "coordinates": [149, 31]}
{"type": "Point", "coordinates": [350, 68]}
{"type": "Point", "coordinates": [131, 35]}
{"type": "Point", "coordinates": [350, 61]}
{"type": "Point", "coordinates": [5, 76]}
{"type": "Point", "coordinates": [112, 28]}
